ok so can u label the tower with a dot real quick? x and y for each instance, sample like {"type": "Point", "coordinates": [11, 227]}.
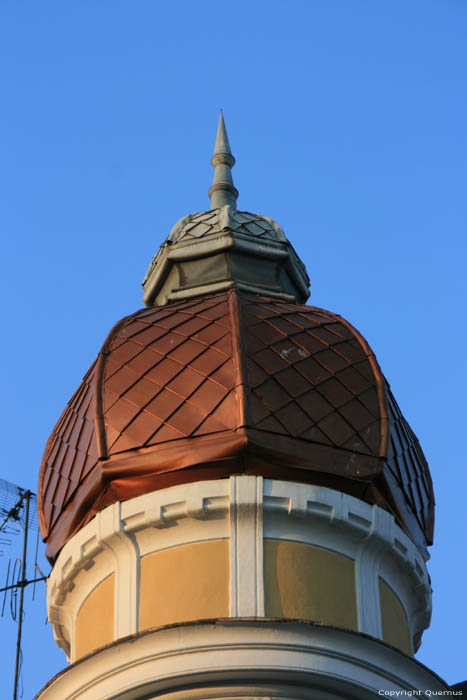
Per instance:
{"type": "Point", "coordinates": [232, 501]}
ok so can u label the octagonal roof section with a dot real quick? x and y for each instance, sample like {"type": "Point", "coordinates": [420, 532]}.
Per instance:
{"type": "Point", "coordinates": [232, 383]}
{"type": "Point", "coordinates": [221, 249]}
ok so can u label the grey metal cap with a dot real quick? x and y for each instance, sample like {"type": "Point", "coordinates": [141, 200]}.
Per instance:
{"type": "Point", "coordinates": [220, 249]}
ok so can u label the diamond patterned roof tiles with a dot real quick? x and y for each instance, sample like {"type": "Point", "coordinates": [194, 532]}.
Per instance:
{"type": "Point", "coordinates": [227, 384]}
{"type": "Point", "coordinates": [209, 222]}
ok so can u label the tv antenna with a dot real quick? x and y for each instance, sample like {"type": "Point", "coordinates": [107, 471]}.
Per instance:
{"type": "Point", "coordinates": [18, 514]}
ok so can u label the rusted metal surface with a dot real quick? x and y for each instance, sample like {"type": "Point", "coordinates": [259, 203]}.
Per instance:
{"type": "Point", "coordinates": [228, 384]}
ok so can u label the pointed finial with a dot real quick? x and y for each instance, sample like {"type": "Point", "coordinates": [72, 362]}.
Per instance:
{"type": "Point", "coordinates": [222, 190]}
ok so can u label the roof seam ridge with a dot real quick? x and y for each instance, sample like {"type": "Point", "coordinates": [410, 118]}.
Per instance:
{"type": "Point", "coordinates": [97, 388]}
{"type": "Point", "coordinates": [241, 387]}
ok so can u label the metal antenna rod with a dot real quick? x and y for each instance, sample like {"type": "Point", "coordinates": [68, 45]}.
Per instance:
{"type": "Point", "coordinates": [27, 496]}
{"type": "Point", "coordinates": [14, 512]}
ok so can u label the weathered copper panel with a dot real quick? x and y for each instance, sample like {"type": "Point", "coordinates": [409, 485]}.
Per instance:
{"type": "Point", "coordinates": [228, 384]}
{"type": "Point", "coordinates": [70, 454]}
{"type": "Point", "coordinates": [407, 465]}
{"type": "Point", "coordinates": [305, 388]}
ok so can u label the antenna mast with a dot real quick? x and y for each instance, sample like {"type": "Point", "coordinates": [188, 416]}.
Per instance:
{"type": "Point", "coordinates": [19, 512]}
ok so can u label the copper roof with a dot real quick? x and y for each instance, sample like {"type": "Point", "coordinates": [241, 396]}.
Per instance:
{"type": "Point", "coordinates": [228, 384]}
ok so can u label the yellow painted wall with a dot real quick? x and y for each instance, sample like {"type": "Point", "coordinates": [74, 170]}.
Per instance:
{"type": "Point", "coordinates": [394, 620]}
{"type": "Point", "coordinates": [94, 625]}
{"type": "Point", "coordinates": [189, 582]}
{"type": "Point", "coordinates": [306, 582]}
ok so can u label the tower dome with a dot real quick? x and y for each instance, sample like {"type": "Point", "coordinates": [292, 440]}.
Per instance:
{"type": "Point", "coordinates": [227, 372]}
{"type": "Point", "coordinates": [233, 503]}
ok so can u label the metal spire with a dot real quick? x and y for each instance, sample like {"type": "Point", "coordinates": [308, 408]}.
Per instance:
{"type": "Point", "coordinates": [222, 190]}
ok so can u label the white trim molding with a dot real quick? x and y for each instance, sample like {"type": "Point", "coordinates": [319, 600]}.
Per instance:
{"type": "Point", "coordinates": [111, 535]}
{"type": "Point", "coordinates": [246, 547]}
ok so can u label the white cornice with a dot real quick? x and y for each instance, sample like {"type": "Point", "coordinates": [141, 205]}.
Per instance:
{"type": "Point", "coordinates": [243, 658]}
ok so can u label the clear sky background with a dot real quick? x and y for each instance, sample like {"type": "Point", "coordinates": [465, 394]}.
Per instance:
{"type": "Point", "coordinates": [348, 122]}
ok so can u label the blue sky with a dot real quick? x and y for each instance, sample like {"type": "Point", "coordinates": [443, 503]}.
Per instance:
{"type": "Point", "coordinates": [347, 119]}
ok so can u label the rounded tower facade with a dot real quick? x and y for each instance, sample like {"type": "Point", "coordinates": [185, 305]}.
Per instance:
{"type": "Point", "coordinates": [233, 503]}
